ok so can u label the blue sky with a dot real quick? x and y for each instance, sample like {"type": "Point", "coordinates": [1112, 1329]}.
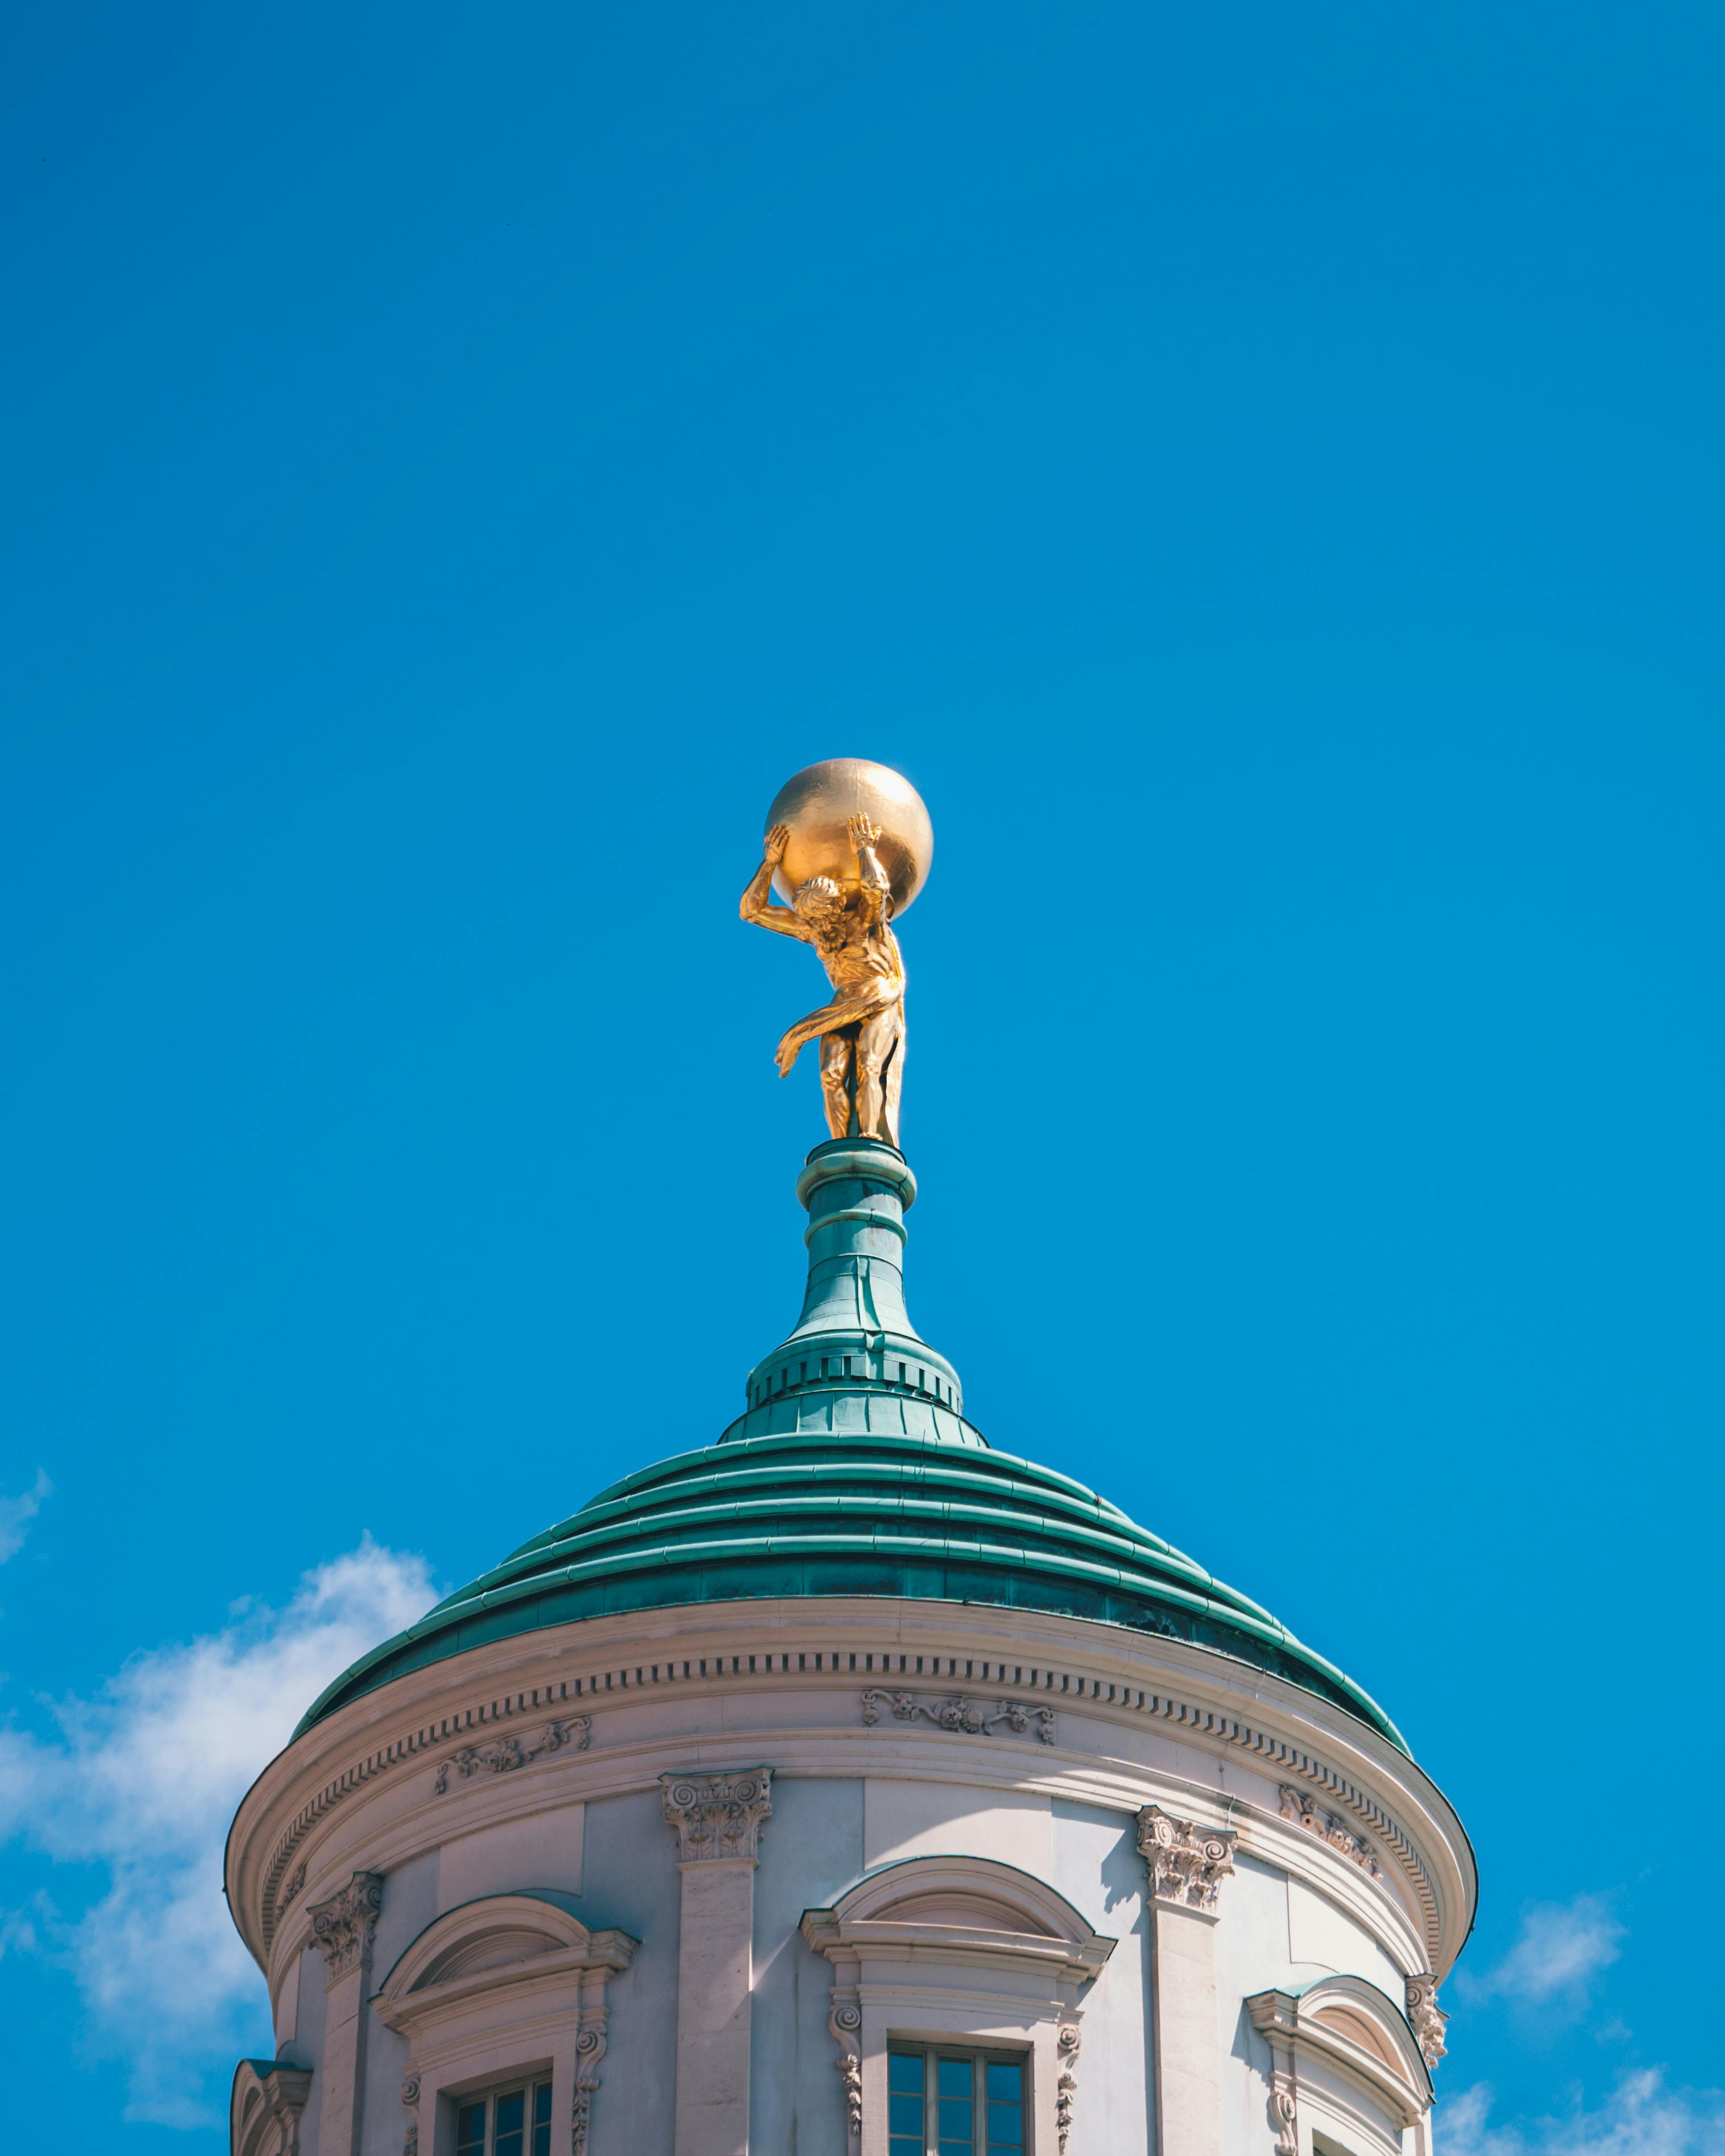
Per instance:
{"type": "Point", "coordinates": [1259, 473]}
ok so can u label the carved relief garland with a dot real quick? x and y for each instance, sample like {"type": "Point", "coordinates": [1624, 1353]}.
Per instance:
{"type": "Point", "coordinates": [503, 1755]}
{"type": "Point", "coordinates": [1303, 1810]}
{"type": "Point", "coordinates": [966, 1718]}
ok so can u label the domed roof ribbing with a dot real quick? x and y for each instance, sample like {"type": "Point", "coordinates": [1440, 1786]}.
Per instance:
{"type": "Point", "coordinates": [853, 1472]}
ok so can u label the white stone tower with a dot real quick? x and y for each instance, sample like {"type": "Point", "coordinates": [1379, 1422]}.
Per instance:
{"type": "Point", "coordinates": [847, 1788]}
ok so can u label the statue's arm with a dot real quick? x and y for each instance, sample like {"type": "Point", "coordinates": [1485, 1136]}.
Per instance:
{"type": "Point", "coordinates": [758, 905]}
{"type": "Point", "coordinates": [874, 878]}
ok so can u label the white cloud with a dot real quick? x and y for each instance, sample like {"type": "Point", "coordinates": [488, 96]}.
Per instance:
{"type": "Point", "coordinates": [143, 1780]}
{"type": "Point", "coordinates": [1641, 2117]}
{"type": "Point", "coordinates": [16, 1514]}
{"type": "Point", "coordinates": [1562, 1948]}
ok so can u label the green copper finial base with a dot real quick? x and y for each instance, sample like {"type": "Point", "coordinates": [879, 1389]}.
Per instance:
{"type": "Point", "coordinates": [855, 1362]}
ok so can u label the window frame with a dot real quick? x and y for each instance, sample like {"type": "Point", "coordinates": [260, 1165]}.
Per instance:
{"type": "Point", "coordinates": [979, 2057]}
{"type": "Point", "coordinates": [528, 2087]}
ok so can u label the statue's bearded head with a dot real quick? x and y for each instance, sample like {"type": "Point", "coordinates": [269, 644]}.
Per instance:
{"type": "Point", "coordinates": [817, 900]}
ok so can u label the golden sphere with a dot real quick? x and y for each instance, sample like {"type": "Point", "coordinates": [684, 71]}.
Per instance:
{"type": "Point", "coordinates": [817, 805]}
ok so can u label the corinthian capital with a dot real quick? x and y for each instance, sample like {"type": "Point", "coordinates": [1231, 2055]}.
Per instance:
{"type": "Point", "coordinates": [346, 1925]}
{"type": "Point", "coordinates": [717, 1816]}
{"type": "Point", "coordinates": [1187, 1862]}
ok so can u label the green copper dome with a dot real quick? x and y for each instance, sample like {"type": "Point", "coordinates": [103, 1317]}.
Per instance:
{"type": "Point", "coordinates": [853, 1472]}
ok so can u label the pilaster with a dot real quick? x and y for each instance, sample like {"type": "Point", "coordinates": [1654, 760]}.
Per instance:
{"type": "Point", "coordinates": [344, 1927]}
{"type": "Point", "coordinates": [1186, 1863]}
{"type": "Point", "coordinates": [718, 1820]}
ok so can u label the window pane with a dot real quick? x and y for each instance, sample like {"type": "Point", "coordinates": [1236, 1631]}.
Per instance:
{"type": "Point", "coordinates": [542, 2119]}
{"type": "Point", "coordinates": [506, 2133]}
{"type": "Point", "coordinates": [1005, 2082]}
{"type": "Point", "coordinates": [904, 2071]}
{"type": "Point", "coordinates": [957, 2132]}
{"type": "Point", "coordinates": [1006, 2126]}
{"type": "Point", "coordinates": [955, 2077]}
{"type": "Point", "coordinates": [904, 2114]}
{"type": "Point", "coordinates": [469, 2129]}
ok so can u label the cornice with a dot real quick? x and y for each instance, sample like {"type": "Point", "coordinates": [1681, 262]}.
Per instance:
{"type": "Point", "coordinates": [1062, 1666]}
{"type": "Point", "coordinates": [544, 1976]}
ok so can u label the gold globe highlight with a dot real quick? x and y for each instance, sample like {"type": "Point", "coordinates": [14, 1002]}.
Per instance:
{"type": "Point", "coordinates": [817, 806]}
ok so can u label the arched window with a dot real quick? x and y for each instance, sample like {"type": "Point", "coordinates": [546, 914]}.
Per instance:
{"type": "Point", "coordinates": [958, 1987]}
{"type": "Point", "coordinates": [499, 1998]}
{"type": "Point", "coordinates": [1346, 2074]}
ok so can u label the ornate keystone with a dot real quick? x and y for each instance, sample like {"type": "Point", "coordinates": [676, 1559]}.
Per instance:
{"type": "Point", "coordinates": [346, 1925]}
{"type": "Point", "coordinates": [1187, 1862]}
{"type": "Point", "coordinates": [717, 1816]}
{"type": "Point", "coordinates": [1425, 2018]}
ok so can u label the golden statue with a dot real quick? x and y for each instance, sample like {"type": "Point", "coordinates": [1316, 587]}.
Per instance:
{"type": "Point", "coordinates": [848, 844]}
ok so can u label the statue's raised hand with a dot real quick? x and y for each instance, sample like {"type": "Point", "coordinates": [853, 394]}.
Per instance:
{"type": "Point", "coordinates": [862, 831]}
{"type": "Point", "coordinates": [777, 839]}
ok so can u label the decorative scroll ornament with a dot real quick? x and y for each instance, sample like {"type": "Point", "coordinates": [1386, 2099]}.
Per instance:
{"type": "Point", "coordinates": [410, 2098]}
{"type": "Point", "coordinates": [845, 2022]}
{"type": "Point", "coordinates": [503, 1755]}
{"type": "Point", "coordinates": [717, 1816]}
{"type": "Point", "coordinates": [1303, 1810]}
{"type": "Point", "coordinates": [1284, 2114]}
{"type": "Point", "coordinates": [346, 1925]}
{"type": "Point", "coordinates": [1066, 2085]}
{"type": "Point", "coordinates": [295, 1885]}
{"type": "Point", "coordinates": [1187, 1863]}
{"type": "Point", "coordinates": [589, 2049]}
{"type": "Point", "coordinates": [966, 1717]}
{"type": "Point", "coordinates": [1425, 2018]}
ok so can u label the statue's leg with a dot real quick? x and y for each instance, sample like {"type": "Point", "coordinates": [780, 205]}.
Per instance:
{"type": "Point", "coordinates": [835, 1081]}
{"type": "Point", "coordinates": [875, 1041]}
{"type": "Point", "coordinates": [895, 1080]}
